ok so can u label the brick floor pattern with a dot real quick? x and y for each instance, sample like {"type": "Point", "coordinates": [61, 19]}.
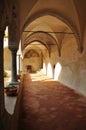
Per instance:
{"type": "Point", "coordinates": [50, 105]}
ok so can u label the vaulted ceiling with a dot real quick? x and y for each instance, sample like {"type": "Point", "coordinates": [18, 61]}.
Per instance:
{"type": "Point", "coordinates": [46, 22]}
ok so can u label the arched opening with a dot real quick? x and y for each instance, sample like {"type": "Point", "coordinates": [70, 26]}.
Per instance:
{"type": "Point", "coordinates": [56, 15]}
{"type": "Point", "coordinates": [56, 35]}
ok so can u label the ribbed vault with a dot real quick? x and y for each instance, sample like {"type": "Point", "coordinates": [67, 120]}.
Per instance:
{"type": "Point", "coordinates": [37, 46]}
{"type": "Point", "coordinates": [54, 14]}
{"type": "Point", "coordinates": [47, 30]}
{"type": "Point", "coordinates": [44, 38]}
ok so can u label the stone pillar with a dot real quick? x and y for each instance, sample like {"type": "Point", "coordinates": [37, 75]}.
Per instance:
{"type": "Point", "coordinates": [1, 75]}
{"type": "Point", "coordinates": [14, 67]}
{"type": "Point", "coordinates": [18, 64]}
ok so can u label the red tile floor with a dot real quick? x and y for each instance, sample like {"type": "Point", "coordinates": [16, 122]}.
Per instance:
{"type": "Point", "coordinates": [49, 105]}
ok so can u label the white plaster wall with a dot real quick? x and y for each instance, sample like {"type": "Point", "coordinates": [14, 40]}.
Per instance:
{"type": "Point", "coordinates": [35, 62]}
{"type": "Point", "coordinates": [73, 66]}
{"type": "Point", "coordinates": [73, 63]}
{"type": "Point", "coordinates": [50, 61]}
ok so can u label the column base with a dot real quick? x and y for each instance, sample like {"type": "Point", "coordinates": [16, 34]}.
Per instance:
{"type": "Point", "coordinates": [12, 89]}
{"type": "Point", "coordinates": [14, 83]}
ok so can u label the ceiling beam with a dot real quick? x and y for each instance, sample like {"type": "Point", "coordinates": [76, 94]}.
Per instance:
{"type": "Point", "coordinates": [51, 32]}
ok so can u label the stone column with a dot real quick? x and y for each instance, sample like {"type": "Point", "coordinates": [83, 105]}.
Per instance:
{"type": "Point", "coordinates": [18, 64]}
{"type": "Point", "coordinates": [14, 67]}
{"type": "Point", "coordinates": [1, 74]}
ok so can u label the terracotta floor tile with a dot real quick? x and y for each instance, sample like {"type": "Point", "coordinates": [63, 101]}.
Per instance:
{"type": "Point", "coordinates": [49, 105]}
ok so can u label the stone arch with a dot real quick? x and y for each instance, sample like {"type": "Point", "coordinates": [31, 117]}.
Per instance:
{"type": "Point", "coordinates": [33, 56]}
{"type": "Point", "coordinates": [30, 53]}
{"type": "Point", "coordinates": [43, 42]}
{"type": "Point", "coordinates": [60, 17]}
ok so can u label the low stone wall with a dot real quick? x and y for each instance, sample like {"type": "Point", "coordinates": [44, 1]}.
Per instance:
{"type": "Point", "coordinates": [15, 116]}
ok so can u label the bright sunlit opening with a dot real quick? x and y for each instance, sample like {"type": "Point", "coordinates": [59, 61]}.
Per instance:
{"type": "Point", "coordinates": [57, 71]}
{"type": "Point", "coordinates": [49, 71]}
{"type": "Point", "coordinates": [5, 42]}
{"type": "Point", "coordinates": [6, 38]}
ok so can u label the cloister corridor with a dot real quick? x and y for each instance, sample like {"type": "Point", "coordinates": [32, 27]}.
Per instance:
{"type": "Point", "coordinates": [45, 104]}
{"type": "Point", "coordinates": [43, 46]}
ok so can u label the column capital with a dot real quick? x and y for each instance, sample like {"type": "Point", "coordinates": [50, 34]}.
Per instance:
{"type": "Point", "coordinates": [13, 49]}
{"type": "Point", "coordinates": [2, 29]}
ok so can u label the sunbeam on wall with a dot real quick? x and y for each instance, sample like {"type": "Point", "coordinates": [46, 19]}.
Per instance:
{"type": "Point", "coordinates": [57, 71]}
{"type": "Point", "coordinates": [44, 69]}
{"type": "Point", "coordinates": [49, 70]}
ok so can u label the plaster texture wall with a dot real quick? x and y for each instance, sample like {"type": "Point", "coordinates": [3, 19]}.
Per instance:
{"type": "Point", "coordinates": [72, 63]}
{"type": "Point", "coordinates": [73, 66]}
{"type": "Point", "coordinates": [35, 62]}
